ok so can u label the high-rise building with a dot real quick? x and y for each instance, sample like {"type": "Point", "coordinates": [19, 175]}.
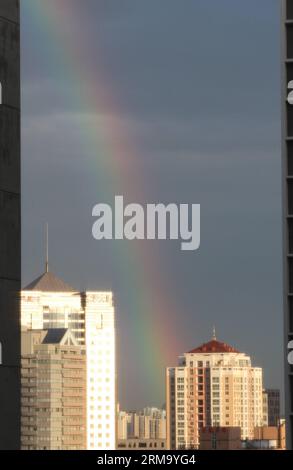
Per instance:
{"type": "Point", "coordinates": [273, 406]}
{"type": "Point", "coordinates": [48, 302]}
{"type": "Point", "coordinates": [9, 224]}
{"type": "Point", "coordinates": [53, 398]}
{"type": "Point", "coordinates": [214, 385]}
{"type": "Point", "coordinates": [287, 177]}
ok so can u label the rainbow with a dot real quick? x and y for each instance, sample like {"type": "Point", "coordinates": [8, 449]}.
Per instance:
{"type": "Point", "coordinates": [153, 312]}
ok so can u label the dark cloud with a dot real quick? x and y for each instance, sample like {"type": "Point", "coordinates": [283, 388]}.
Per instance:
{"type": "Point", "coordinates": [196, 87]}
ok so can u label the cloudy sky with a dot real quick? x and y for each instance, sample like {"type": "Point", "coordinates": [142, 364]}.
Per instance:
{"type": "Point", "coordinates": [160, 102]}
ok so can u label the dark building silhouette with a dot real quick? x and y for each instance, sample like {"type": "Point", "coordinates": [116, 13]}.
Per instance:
{"type": "Point", "coordinates": [287, 176]}
{"type": "Point", "coordinates": [9, 225]}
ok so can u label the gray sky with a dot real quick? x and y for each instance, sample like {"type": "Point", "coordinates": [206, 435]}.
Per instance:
{"type": "Point", "coordinates": [162, 102]}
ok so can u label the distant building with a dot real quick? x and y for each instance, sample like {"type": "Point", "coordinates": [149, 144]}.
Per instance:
{"type": "Point", "coordinates": [49, 303]}
{"type": "Point", "coordinates": [220, 438]}
{"type": "Point", "coordinates": [53, 401]}
{"type": "Point", "coordinates": [150, 423]}
{"type": "Point", "coordinates": [214, 385]}
{"type": "Point", "coordinates": [273, 406]}
{"type": "Point", "coordinates": [123, 423]}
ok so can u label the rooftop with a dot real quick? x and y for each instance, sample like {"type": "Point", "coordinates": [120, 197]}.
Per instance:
{"type": "Point", "coordinates": [48, 282]}
{"type": "Point", "coordinates": [214, 346]}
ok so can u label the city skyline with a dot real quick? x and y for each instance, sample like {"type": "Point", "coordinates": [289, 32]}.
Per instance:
{"type": "Point", "coordinates": [156, 129]}
{"type": "Point", "coordinates": [33, 318]}
{"type": "Point", "coordinates": [68, 346]}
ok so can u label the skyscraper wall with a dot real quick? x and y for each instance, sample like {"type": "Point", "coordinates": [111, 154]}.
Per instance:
{"type": "Point", "coordinates": [101, 369]}
{"type": "Point", "coordinates": [10, 265]}
{"type": "Point", "coordinates": [287, 178]}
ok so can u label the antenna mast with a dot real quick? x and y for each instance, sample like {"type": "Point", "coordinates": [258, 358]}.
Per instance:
{"type": "Point", "coordinates": [47, 248]}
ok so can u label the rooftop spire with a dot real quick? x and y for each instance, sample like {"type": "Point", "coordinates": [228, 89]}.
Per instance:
{"type": "Point", "coordinates": [214, 334]}
{"type": "Point", "coordinates": [47, 248]}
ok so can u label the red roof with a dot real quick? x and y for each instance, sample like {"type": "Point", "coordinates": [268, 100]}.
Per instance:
{"type": "Point", "coordinates": [214, 346]}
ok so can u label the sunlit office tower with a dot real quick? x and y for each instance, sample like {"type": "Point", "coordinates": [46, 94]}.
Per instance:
{"type": "Point", "coordinates": [48, 302]}
{"type": "Point", "coordinates": [213, 385]}
{"type": "Point", "coordinates": [287, 177]}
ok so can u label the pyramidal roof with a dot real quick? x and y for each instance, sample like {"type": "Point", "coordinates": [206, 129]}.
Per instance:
{"type": "Point", "coordinates": [214, 346]}
{"type": "Point", "coordinates": [48, 282]}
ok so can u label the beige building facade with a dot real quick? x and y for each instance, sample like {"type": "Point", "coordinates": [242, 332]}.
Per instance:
{"type": "Point", "coordinates": [214, 385]}
{"type": "Point", "coordinates": [53, 398]}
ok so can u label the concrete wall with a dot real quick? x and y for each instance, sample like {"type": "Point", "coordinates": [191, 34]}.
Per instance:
{"type": "Point", "coordinates": [10, 267]}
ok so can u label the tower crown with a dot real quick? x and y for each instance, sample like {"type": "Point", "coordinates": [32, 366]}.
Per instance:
{"type": "Point", "coordinates": [214, 346]}
{"type": "Point", "coordinates": [48, 282]}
